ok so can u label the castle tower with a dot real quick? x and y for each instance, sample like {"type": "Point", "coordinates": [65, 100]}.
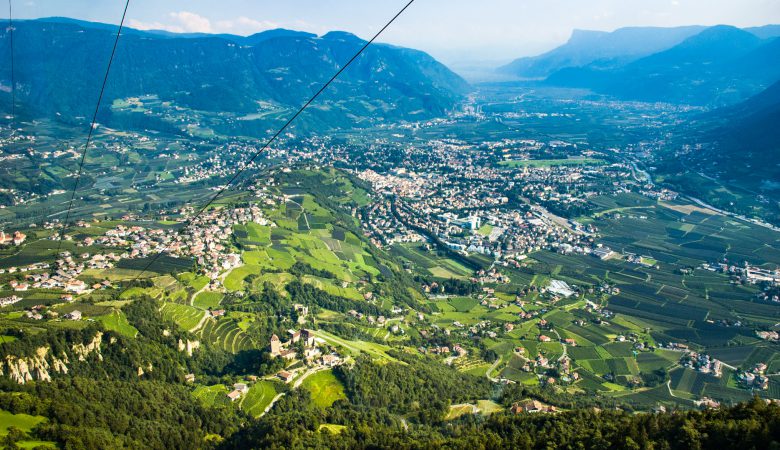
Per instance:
{"type": "Point", "coordinates": [276, 345]}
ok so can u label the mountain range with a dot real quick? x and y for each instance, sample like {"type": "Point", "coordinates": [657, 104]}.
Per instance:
{"type": "Point", "coordinates": [60, 64]}
{"type": "Point", "coordinates": [743, 141]}
{"type": "Point", "coordinates": [600, 47]}
{"type": "Point", "coordinates": [711, 66]}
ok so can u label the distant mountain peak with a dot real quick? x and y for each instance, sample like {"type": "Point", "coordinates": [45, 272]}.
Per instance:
{"type": "Point", "coordinates": [341, 36]}
{"type": "Point", "coordinates": [723, 33]}
{"type": "Point", "coordinates": [277, 33]}
{"type": "Point", "coordinates": [587, 46]}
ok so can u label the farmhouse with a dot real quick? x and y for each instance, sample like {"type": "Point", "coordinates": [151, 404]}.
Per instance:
{"type": "Point", "coordinates": [17, 238]}
{"type": "Point", "coordinates": [73, 315]}
{"type": "Point", "coordinates": [19, 287]}
{"type": "Point", "coordinates": [532, 406]}
{"type": "Point", "coordinates": [76, 286]}
{"type": "Point", "coordinates": [285, 376]}
{"type": "Point", "coordinates": [330, 360]}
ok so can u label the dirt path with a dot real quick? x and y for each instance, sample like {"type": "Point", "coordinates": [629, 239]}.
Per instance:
{"type": "Point", "coordinates": [295, 385]}
{"type": "Point", "coordinates": [474, 409]}
{"type": "Point", "coordinates": [202, 321]}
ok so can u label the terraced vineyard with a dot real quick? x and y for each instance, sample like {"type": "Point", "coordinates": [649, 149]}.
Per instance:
{"type": "Point", "coordinates": [185, 316]}
{"type": "Point", "coordinates": [471, 364]}
{"type": "Point", "coordinates": [225, 333]}
{"type": "Point", "coordinates": [209, 396]}
{"type": "Point", "coordinates": [258, 398]}
{"type": "Point", "coordinates": [206, 300]}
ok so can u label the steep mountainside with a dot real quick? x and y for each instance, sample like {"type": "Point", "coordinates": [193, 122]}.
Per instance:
{"type": "Point", "coordinates": [746, 140]}
{"type": "Point", "coordinates": [602, 48]}
{"type": "Point", "coordinates": [59, 67]}
{"type": "Point", "coordinates": [719, 66]}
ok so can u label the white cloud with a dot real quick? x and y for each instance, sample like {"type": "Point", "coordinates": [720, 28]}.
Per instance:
{"type": "Point", "coordinates": [244, 25]}
{"type": "Point", "coordinates": [138, 25]}
{"type": "Point", "coordinates": [189, 22]}
{"type": "Point", "coordinates": [192, 22]}
{"type": "Point", "coordinates": [181, 22]}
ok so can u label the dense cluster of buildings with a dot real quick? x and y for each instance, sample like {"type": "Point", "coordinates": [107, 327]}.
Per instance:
{"type": "Point", "coordinates": [463, 198]}
{"type": "Point", "coordinates": [15, 238]}
{"type": "Point", "coordinates": [205, 239]}
{"type": "Point", "coordinates": [703, 363]}
{"type": "Point", "coordinates": [63, 273]}
{"type": "Point", "coordinates": [755, 378]}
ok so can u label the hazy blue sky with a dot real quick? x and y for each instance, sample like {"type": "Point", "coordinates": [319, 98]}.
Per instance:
{"type": "Point", "coordinates": [452, 30]}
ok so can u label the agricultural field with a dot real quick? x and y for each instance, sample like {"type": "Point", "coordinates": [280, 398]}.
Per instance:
{"type": "Point", "coordinates": [483, 407]}
{"type": "Point", "coordinates": [210, 396]}
{"type": "Point", "coordinates": [117, 321]}
{"type": "Point", "coordinates": [325, 388]}
{"type": "Point", "coordinates": [225, 333]}
{"type": "Point", "coordinates": [355, 348]}
{"type": "Point", "coordinates": [332, 428]}
{"type": "Point", "coordinates": [25, 423]}
{"type": "Point", "coordinates": [207, 300]}
{"type": "Point", "coordinates": [432, 263]}
{"type": "Point", "coordinates": [185, 316]}
{"type": "Point", "coordinates": [258, 398]}
{"type": "Point", "coordinates": [307, 233]}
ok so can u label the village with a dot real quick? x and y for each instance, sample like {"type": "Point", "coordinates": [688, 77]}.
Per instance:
{"type": "Point", "coordinates": [205, 241]}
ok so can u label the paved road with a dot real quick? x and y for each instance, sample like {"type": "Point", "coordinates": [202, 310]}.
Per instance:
{"type": "Point", "coordinates": [565, 352]}
{"type": "Point", "coordinates": [306, 374]}
{"type": "Point", "coordinates": [492, 368]}
{"type": "Point", "coordinates": [271, 405]}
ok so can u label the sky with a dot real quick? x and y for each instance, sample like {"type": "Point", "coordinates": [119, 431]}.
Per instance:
{"type": "Point", "coordinates": [454, 31]}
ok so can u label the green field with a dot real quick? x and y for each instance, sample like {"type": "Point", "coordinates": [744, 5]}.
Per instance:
{"type": "Point", "coordinates": [375, 350]}
{"type": "Point", "coordinates": [206, 300]}
{"type": "Point", "coordinates": [117, 321]}
{"type": "Point", "coordinates": [25, 423]}
{"type": "Point", "coordinates": [211, 396]}
{"type": "Point", "coordinates": [325, 388]}
{"type": "Point", "coordinates": [464, 304]}
{"type": "Point", "coordinates": [186, 317]}
{"type": "Point", "coordinates": [431, 262]}
{"type": "Point", "coordinates": [258, 398]}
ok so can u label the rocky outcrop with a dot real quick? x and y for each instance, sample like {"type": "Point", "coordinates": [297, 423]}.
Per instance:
{"type": "Point", "coordinates": [141, 370]}
{"type": "Point", "coordinates": [43, 363]}
{"type": "Point", "coordinates": [81, 351]}
{"type": "Point", "coordinates": [189, 346]}
{"type": "Point", "coordinates": [37, 367]}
